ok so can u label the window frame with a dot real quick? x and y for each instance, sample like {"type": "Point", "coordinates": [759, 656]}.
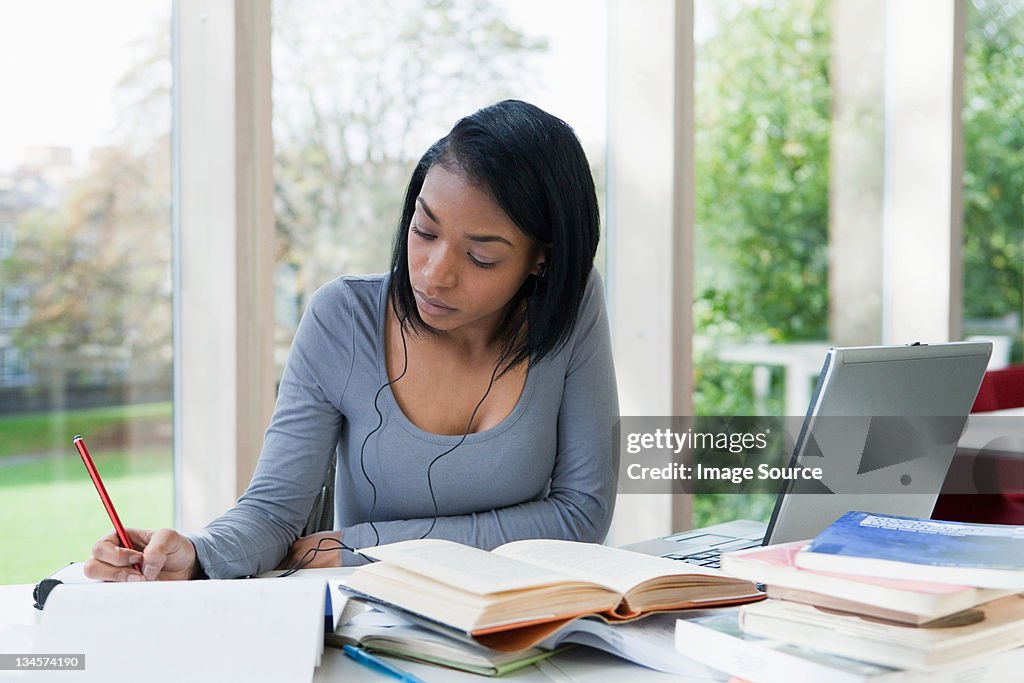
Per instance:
{"type": "Point", "coordinates": [224, 234]}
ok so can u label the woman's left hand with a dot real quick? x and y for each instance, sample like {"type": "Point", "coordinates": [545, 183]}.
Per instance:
{"type": "Point", "coordinates": [328, 556]}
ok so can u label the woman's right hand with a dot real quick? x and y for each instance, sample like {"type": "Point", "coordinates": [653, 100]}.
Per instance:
{"type": "Point", "coordinates": [162, 555]}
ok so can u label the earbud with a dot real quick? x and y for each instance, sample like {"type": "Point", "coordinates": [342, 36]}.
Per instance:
{"type": "Point", "coordinates": [542, 270]}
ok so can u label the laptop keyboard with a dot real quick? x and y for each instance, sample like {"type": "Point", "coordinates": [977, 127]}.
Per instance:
{"type": "Point", "coordinates": [710, 558]}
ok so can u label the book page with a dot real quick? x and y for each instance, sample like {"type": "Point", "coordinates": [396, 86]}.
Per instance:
{"type": "Point", "coordinates": [614, 568]}
{"type": "Point", "coordinates": [471, 569]}
{"type": "Point", "coordinates": [649, 642]}
{"type": "Point", "coordinates": [230, 630]}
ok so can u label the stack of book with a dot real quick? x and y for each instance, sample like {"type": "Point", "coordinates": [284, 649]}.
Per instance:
{"type": "Point", "coordinates": [491, 612]}
{"type": "Point", "coordinates": [874, 598]}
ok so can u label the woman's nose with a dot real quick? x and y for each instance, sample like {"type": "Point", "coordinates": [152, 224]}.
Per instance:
{"type": "Point", "coordinates": [440, 270]}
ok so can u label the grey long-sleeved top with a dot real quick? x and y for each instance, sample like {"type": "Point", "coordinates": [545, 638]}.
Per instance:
{"type": "Point", "coordinates": [548, 470]}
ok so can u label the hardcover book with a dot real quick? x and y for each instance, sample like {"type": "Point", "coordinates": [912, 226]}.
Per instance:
{"type": "Point", "coordinates": [904, 600]}
{"type": "Point", "coordinates": [719, 642]}
{"type": "Point", "coordinates": [987, 555]}
{"type": "Point", "coordinates": [992, 627]}
{"type": "Point", "coordinates": [520, 593]}
{"type": "Point", "coordinates": [389, 634]}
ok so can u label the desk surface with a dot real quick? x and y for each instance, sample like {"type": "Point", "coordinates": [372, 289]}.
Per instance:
{"type": "Point", "coordinates": [19, 620]}
{"type": "Point", "coordinates": [999, 432]}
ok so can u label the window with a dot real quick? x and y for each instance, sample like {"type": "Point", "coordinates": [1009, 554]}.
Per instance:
{"type": "Point", "coordinates": [85, 313]}
{"type": "Point", "coordinates": [7, 241]}
{"type": "Point", "coordinates": [763, 120]}
{"type": "Point", "coordinates": [12, 368]}
{"type": "Point", "coordinates": [13, 309]}
{"type": "Point", "coordinates": [829, 192]}
{"type": "Point", "coordinates": [362, 89]}
{"type": "Point", "coordinates": [993, 288]}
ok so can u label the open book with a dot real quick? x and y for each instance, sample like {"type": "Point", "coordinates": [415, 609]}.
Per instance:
{"type": "Point", "coordinates": [518, 594]}
{"type": "Point", "coordinates": [391, 634]}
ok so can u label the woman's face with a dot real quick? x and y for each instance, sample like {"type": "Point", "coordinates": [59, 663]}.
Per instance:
{"type": "Point", "coordinates": [467, 259]}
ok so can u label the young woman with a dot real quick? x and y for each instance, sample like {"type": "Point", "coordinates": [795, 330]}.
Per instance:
{"type": "Point", "coordinates": [467, 394]}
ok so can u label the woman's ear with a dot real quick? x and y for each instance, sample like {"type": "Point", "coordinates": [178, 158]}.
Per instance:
{"type": "Point", "coordinates": [540, 265]}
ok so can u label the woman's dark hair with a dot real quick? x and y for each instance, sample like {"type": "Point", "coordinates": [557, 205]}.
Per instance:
{"type": "Point", "coordinates": [534, 167]}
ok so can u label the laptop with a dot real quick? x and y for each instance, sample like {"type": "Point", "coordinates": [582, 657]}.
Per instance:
{"type": "Point", "coordinates": [872, 409]}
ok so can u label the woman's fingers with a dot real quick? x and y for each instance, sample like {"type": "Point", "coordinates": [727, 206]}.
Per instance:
{"type": "Point", "coordinates": [111, 562]}
{"type": "Point", "coordinates": [160, 555]}
{"type": "Point", "coordinates": [109, 550]}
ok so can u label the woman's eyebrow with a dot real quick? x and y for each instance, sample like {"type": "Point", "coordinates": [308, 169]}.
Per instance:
{"type": "Point", "coordinates": [426, 210]}
{"type": "Point", "coordinates": [471, 237]}
{"type": "Point", "coordinates": [489, 238]}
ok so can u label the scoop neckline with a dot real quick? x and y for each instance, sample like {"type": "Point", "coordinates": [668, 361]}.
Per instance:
{"type": "Point", "coordinates": [403, 419]}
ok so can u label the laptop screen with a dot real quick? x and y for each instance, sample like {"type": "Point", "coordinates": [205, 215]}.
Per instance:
{"type": "Point", "coordinates": [883, 425]}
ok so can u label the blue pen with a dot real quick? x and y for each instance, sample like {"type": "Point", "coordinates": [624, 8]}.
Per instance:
{"type": "Point", "coordinates": [378, 664]}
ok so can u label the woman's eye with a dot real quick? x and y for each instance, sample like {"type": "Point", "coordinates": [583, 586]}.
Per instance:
{"type": "Point", "coordinates": [417, 231]}
{"type": "Point", "coordinates": [480, 264]}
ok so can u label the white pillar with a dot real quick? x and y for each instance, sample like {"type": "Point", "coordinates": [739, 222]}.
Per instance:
{"type": "Point", "coordinates": [855, 172]}
{"type": "Point", "coordinates": [923, 206]}
{"type": "Point", "coordinates": [224, 228]}
{"type": "Point", "coordinates": [651, 217]}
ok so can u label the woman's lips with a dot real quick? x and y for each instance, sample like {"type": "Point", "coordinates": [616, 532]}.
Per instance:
{"type": "Point", "coordinates": [431, 306]}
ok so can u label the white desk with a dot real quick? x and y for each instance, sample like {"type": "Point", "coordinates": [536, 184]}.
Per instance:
{"type": "Point", "coordinates": [1001, 431]}
{"type": "Point", "coordinates": [18, 621]}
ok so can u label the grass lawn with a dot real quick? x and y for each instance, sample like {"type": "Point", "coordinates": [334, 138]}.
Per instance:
{"type": "Point", "coordinates": [52, 515]}
{"type": "Point", "coordinates": [53, 430]}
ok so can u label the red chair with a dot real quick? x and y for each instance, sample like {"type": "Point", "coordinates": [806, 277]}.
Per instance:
{"type": "Point", "coordinates": [1000, 390]}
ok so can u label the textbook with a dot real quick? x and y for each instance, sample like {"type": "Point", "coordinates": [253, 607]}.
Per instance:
{"type": "Point", "coordinates": [390, 634]}
{"type": "Point", "coordinates": [718, 641]}
{"type": "Point", "coordinates": [903, 600]}
{"type": "Point", "coordinates": [648, 642]}
{"type": "Point", "coordinates": [987, 555]}
{"type": "Point", "coordinates": [992, 627]}
{"type": "Point", "coordinates": [515, 596]}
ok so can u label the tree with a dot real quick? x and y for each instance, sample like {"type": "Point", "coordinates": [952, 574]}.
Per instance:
{"type": "Point", "coordinates": [98, 269]}
{"type": "Point", "coordinates": [994, 147]}
{"type": "Point", "coordinates": [361, 90]}
{"type": "Point", "coordinates": [763, 115]}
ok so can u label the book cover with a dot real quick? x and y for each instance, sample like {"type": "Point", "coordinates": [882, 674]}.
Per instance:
{"type": "Point", "coordinates": [974, 633]}
{"type": "Point", "coordinates": [907, 600]}
{"type": "Point", "coordinates": [986, 555]}
{"type": "Point", "coordinates": [391, 634]}
{"type": "Point", "coordinates": [719, 642]}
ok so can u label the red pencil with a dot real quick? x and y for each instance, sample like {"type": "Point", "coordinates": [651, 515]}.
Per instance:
{"type": "Point", "coordinates": [102, 490]}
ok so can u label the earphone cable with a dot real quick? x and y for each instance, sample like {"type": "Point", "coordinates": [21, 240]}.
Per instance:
{"type": "Point", "coordinates": [430, 482]}
{"type": "Point", "coordinates": [380, 423]}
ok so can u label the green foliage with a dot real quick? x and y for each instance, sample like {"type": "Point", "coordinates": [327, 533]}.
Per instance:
{"type": "Point", "coordinates": [763, 118]}
{"type": "Point", "coordinates": [715, 508]}
{"type": "Point", "coordinates": [994, 159]}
